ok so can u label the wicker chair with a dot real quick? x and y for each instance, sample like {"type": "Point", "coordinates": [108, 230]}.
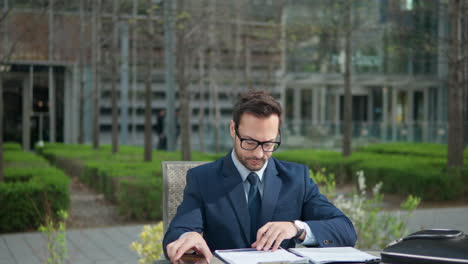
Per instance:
{"type": "Point", "coordinates": [174, 174]}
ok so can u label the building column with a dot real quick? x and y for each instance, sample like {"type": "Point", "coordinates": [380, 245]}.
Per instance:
{"type": "Point", "coordinates": [385, 120]}
{"type": "Point", "coordinates": [28, 84]}
{"type": "Point", "coordinates": [311, 105]}
{"type": "Point", "coordinates": [409, 118]}
{"type": "Point", "coordinates": [88, 107]}
{"type": "Point", "coordinates": [337, 114]}
{"type": "Point", "coordinates": [425, 124]}
{"type": "Point", "coordinates": [72, 112]}
{"type": "Point", "coordinates": [67, 95]}
{"type": "Point", "coordinates": [394, 113]}
{"type": "Point", "coordinates": [370, 111]}
{"type": "Point", "coordinates": [51, 105]}
{"type": "Point", "coordinates": [297, 110]}
{"type": "Point", "coordinates": [441, 129]}
{"type": "Point", "coordinates": [370, 107]}
{"type": "Point", "coordinates": [323, 104]}
{"type": "Point", "coordinates": [51, 73]}
{"type": "Point", "coordinates": [315, 105]}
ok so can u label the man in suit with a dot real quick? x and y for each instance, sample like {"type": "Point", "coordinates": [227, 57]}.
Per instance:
{"type": "Point", "coordinates": [249, 199]}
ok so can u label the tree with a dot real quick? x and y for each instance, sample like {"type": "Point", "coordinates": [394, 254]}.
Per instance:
{"type": "Point", "coordinates": [213, 61]}
{"type": "Point", "coordinates": [114, 65]}
{"type": "Point", "coordinates": [96, 61]}
{"type": "Point", "coordinates": [190, 33]}
{"type": "Point", "coordinates": [456, 144]}
{"type": "Point", "coordinates": [201, 91]}
{"type": "Point", "coordinates": [348, 98]}
{"type": "Point", "coordinates": [81, 77]}
{"type": "Point", "coordinates": [150, 36]}
{"type": "Point", "coordinates": [2, 177]}
{"type": "Point", "coordinates": [183, 78]}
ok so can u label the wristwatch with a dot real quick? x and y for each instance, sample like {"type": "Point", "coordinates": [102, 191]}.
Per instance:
{"type": "Point", "coordinates": [299, 231]}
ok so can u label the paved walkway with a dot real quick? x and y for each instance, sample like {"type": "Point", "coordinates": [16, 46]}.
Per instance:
{"type": "Point", "coordinates": [85, 246]}
{"type": "Point", "coordinates": [110, 245]}
{"type": "Point", "coordinates": [450, 218]}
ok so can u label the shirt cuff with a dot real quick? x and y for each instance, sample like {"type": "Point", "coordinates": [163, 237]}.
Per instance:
{"type": "Point", "coordinates": [309, 239]}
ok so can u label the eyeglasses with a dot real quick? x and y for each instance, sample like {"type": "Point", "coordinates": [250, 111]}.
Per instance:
{"type": "Point", "coordinates": [251, 144]}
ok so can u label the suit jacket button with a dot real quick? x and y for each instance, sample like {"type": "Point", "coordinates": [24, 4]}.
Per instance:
{"type": "Point", "coordinates": [327, 242]}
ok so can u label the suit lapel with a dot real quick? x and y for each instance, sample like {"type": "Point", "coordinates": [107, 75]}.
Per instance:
{"type": "Point", "coordinates": [235, 190]}
{"type": "Point", "coordinates": [271, 188]}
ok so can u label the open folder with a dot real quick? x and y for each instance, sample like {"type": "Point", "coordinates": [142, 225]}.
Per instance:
{"type": "Point", "coordinates": [296, 255]}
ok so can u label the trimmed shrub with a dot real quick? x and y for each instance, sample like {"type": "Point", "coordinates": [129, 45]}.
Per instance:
{"type": "Point", "coordinates": [410, 149]}
{"type": "Point", "coordinates": [11, 146]}
{"type": "Point", "coordinates": [130, 182]}
{"type": "Point", "coordinates": [29, 194]}
{"type": "Point", "coordinates": [422, 176]}
{"type": "Point", "coordinates": [141, 198]}
{"type": "Point", "coordinates": [23, 159]}
{"type": "Point", "coordinates": [316, 160]}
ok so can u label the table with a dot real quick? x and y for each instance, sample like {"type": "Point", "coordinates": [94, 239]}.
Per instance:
{"type": "Point", "coordinates": [195, 259]}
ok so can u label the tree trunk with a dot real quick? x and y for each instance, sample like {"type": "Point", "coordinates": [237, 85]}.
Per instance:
{"type": "Point", "coordinates": [3, 30]}
{"type": "Point", "coordinates": [185, 126]}
{"type": "Point", "coordinates": [52, 104]}
{"type": "Point", "coordinates": [148, 81]}
{"type": "Point", "coordinates": [2, 177]}
{"type": "Point", "coordinates": [81, 65]}
{"type": "Point", "coordinates": [96, 60]}
{"type": "Point", "coordinates": [114, 63]}
{"type": "Point", "coordinates": [134, 69]}
{"type": "Point", "coordinates": [170, 56]}
{"type": "Point", "coordinates": [455, 89]}
{"type": "Point", "coordinates": [183, 67]}
{"type": "Point", "coordinates": [212, 79]}
{"type": "Point", "coordinates": [237, 48]}
{"type": "Point", "coordinates": [202, 89]}
{"type": "Point", "coordinates": [348, 107]}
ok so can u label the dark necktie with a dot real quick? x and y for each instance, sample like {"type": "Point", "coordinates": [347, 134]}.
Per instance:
{"type": "Point", "coordinates": [255, 202]}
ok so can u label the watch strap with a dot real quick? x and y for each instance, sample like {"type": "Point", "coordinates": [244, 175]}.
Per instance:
{"type": "Point", "coordinates": [299, 232]}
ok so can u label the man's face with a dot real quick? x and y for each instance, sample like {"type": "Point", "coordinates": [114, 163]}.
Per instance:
{"type": "Point", "coordinates": [260, 129]}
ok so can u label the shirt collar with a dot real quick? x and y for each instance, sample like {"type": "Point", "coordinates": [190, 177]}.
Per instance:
{"type": "Point", "coordinates": [243, 171]}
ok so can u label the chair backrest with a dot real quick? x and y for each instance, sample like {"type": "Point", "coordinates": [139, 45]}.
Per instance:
{"type": "Point", "coordinates": [174, 175]}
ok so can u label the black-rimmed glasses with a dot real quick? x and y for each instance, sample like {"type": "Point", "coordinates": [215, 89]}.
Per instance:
{"type": "Point", "coordinates": [251, 144]}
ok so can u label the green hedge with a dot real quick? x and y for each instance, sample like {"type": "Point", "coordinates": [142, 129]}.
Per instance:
{"type": "Point", "coordinates": [124, 178]}
{"type": "Point", "coordinates": [31, 191]}
{"type": "Point", "coordinates": [422, 176]}
{"type": "Point", "coordinates": [411, 149]}
{"type": "Point", "coordinates": [331, 161]}
{"type": "Point", "coordinates": [136, 185]}
{"type": "Point", "coordinates": [141, 198]}
{"type": "Point", "coordinates": [404, 168]}
{"type": "Point", "coordinates": [9, 146]}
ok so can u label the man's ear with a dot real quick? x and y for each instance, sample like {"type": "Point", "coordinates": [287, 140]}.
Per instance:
{"type": "Point", "coordinates": [232, 129]}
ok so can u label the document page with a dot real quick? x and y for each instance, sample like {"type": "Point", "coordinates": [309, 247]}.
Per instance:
{"type": "Point", "coordinates": [252, 256]}
{"type": "Point", "coordinates": [335, 254]}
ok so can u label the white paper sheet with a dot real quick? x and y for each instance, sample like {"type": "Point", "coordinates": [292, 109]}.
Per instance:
{"type": "Point", "coordinates": [249, 256]}
{"type": "Point", "coordinates": [334, 254]}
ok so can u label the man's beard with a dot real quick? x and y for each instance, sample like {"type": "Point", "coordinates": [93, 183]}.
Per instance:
{"type": "Point", "coordinates": [245, 162]}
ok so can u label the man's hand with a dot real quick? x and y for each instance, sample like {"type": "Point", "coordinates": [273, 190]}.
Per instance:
{"type": "Point", "coordinates": [272, 234]}
{"type": "Point", "coordinates": [190, 241]}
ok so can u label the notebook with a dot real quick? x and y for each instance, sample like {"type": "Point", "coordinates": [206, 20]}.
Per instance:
{"type": "Point", "coordinates": [335, 254]}
{"type": "Point", "coordinates": [253, 256]}
{"type": "Point", "coordinates": [296, 255]}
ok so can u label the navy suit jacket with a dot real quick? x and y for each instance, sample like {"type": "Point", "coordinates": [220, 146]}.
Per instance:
{"type": "Point", "coordinates": [214, 204]}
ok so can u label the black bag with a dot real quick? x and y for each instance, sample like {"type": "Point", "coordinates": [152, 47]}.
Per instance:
{"type": "Point", "coordinates": [441, 246]}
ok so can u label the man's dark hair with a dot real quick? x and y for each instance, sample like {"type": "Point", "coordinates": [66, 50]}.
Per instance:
{"type": "Point", "coordinates": [258, 103]}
